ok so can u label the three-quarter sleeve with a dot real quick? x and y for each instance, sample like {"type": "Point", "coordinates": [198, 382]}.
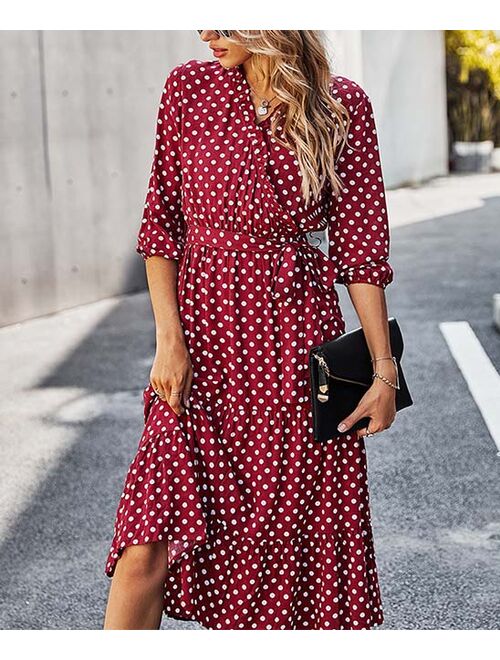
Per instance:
{"type": "Point", "coordinates": [358, 229]}
{"type": "Point", "coordinates": [162, 227]}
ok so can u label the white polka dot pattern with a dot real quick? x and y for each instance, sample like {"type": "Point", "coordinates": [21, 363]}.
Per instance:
{"type": "Point", "coordinates": [162, 225]}
{"type": "Point", "coordinates": [266, 528]}
{"type": "Point", "coordinates": [358, 226]}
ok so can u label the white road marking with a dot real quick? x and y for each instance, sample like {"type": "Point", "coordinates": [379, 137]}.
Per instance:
{"type": "Point", "coordinates": [479, 373]}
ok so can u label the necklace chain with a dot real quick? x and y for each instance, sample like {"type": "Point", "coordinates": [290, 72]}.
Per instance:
{"type": "Point", "coordinates": [265, 104]}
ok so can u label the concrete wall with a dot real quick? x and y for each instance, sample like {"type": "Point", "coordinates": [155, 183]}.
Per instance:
{"type": "Point", "coordinates": [403, 71]}
{"type": "Point", "coordinates": [77, 124]}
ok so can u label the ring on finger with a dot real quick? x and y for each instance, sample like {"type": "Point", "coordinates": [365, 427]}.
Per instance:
{"type": "Point", "coordinates": [368, 434]}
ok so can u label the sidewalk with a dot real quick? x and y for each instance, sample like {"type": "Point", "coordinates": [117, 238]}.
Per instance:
{"type": "Point", "coordinates": [441, 196]}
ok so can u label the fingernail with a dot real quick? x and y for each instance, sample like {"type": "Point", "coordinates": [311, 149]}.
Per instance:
{"type": "Point", "coordinates": [341, 427]}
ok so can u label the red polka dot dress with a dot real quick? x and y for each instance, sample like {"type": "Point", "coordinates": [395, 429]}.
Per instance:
{"type": "Point", "coordinates": [266, 529]}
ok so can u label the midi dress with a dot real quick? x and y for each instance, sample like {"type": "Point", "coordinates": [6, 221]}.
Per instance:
{"type": "Point", "coordinates": [266, 528]}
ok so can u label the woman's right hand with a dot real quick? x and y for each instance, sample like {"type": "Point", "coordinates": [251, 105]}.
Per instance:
{"type": "Point", "coordinates": [172, 373]}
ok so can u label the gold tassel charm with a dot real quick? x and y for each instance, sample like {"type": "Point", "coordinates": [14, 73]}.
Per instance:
{"type": "Point", "coordinates": [323, 374]}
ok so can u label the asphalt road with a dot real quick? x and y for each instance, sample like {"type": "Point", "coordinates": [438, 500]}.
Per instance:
{"type": "Point", "coordinates": [70, 416]}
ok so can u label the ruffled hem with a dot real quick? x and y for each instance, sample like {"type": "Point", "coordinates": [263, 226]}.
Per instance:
{"type": "Point", "coordinates": [340, 600]}
{"type": "Point", "coordinates": [231, 546]}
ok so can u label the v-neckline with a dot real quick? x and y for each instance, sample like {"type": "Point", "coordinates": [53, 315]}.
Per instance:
{"type": "Point", "coordinates": [250, 109]}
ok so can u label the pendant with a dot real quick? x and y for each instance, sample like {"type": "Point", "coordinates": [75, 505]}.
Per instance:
{"type": "Point", "coordinates": [263, 107]}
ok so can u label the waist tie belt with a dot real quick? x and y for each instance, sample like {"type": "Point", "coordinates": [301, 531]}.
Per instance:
{"type": "Point", "coordinates": [302, 286]}
{"type": "Point", "coordinates": [240, 241]}
{"type": "Point", "coordinates": [295, 256]}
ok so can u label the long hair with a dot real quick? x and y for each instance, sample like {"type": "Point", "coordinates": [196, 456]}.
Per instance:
{"type": "Point", "coordinates": [315, 125]}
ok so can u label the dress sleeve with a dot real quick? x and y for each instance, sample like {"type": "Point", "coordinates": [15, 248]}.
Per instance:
{"type": "Point", "coordinates": [162, 228]}
{"type": "Point", "coordinates": [358, 229]}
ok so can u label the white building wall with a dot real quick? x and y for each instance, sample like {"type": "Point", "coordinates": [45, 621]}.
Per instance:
{"type": "Point", "coordinates": [403, 71]}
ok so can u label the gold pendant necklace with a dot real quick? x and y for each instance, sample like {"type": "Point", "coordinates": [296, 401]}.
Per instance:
{"type": "Point", "coordinates": [263, 107]}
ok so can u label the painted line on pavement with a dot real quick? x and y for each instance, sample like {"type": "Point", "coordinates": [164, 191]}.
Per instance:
{"type": "Point", "coordinates": [482, 379]}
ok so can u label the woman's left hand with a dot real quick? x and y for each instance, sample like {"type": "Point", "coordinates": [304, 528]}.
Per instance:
{"type": "Point", "coordinates": [378, 403]}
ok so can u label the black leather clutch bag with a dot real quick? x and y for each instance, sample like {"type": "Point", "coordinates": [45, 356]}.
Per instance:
{"type": "Point", "coordinates": [341, 372]}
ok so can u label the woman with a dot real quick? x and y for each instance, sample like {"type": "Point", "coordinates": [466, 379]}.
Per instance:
{"type": "Point", "coordinates": [231, 515]}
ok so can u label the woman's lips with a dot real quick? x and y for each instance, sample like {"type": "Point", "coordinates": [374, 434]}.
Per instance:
{"type": "Point", "coordinates": [220, 52]}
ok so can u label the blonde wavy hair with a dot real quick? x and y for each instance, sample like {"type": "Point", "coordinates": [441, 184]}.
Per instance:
{"type": "Point", "coordinates": [315, 125]}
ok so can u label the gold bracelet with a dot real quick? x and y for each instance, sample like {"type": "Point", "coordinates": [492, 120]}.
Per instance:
{"type": "Point", "coordinates": [381, 358]}
{"type": "Point", "coordinates": [377, 375]}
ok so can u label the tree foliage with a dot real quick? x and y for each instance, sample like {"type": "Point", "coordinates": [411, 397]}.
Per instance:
{"type": "Point", "coordinates": [473, 84]}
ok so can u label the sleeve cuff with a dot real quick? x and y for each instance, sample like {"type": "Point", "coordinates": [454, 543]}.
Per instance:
{"type": "Point", "coordinates": [380, 274]}
{"type": "Point", "coordinates": [154, 241]}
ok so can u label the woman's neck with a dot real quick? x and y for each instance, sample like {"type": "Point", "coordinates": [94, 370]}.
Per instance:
{"type": "Point", "coordinates": [261, 86]}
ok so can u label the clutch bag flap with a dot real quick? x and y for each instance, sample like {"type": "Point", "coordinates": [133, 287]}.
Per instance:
{"type": "Point", "coordinates": [348, 356]}
{"type": "Point", "coordinates": [350, 374]}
